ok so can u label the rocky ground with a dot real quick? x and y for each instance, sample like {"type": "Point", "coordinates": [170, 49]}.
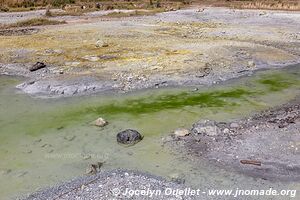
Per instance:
{"type": "Point", "coordinates": [264, 146]}
{"type": "Point", "coordinates": [110, 185]}
{"type": "Point", "coordinates": [189, 47]}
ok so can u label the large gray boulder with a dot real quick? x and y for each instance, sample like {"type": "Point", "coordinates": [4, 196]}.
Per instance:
{"type": "Point", "coordinates": [129, 137]}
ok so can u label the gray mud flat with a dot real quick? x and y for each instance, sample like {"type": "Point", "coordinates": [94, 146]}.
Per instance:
{"type": "Point", "coordinates": [180, 48]}
{"type": "Point", "coordinates": [264, 146]}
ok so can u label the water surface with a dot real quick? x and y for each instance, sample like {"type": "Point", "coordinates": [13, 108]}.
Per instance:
{"type": "Point", "coordinates": [43, 142]}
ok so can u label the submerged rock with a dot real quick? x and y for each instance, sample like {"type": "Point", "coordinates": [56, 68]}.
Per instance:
{"type": "Point", "coordinates": [177, 178]}
{"type": "Point", "coordinates": [206, 127]}
{"type": "Point", "coordinates": [129, 136]}
{"type": "Point", "coordinates": [37, 66]}
{"type": "Point", "coordinates": [94, 168]}
{"type": "Point", "coordinates": [100, 122]}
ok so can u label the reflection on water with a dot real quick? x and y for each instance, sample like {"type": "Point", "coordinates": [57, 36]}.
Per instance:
{"type": "Point", "coordinates": [43, 142]}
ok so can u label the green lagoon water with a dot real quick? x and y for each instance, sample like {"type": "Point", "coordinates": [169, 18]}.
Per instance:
{"type": "Point", "coordinates": [46, 141]}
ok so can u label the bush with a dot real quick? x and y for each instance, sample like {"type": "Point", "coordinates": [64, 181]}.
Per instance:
{"type": "Point", "coordinates": [4, 8]}
{"type": "Point", "coordinates": [58, 3]}
{"type": "Point", "coordinates": [34, 22]}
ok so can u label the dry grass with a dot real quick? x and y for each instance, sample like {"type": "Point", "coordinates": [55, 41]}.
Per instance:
{"type": "Point", "coordinates": [65, 13]}
{"type": "Point", "coordinates": [293, 5]}
{"type": "Point", "coordinates": [33, 22]}
{"type": "Point", "coordinates": [270, 5]}
{"type": "Point", "coordinates": [134, 13]}
{"type": "Point", "coordinates": [94, 4]}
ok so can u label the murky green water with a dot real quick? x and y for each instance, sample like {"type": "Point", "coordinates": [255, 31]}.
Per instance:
{"type": "Point", "coordinates": [43, 142]}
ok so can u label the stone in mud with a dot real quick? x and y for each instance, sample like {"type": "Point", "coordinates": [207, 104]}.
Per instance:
{"type": "Point", "coordinates": [37, 66]}
{"type": "Point", "coordinates": [94, 168]}
{"type": "Point", "coordinates": [181, 132]}
{"type": "Point", "coordinates": [234, 125]}
{"type": "Point", "coordinates": [203, 72]}
{"type": "Point", "coordinates": [100, 43]}
{"type": "Point", "coordinates": [206, 127]}
{"type": "Point", "coordinates": [129, 136]}
{"type": "Point", "coordinates": [100, 122]}
{"type": "Point", "coordinates": [251, 64]}
{"type": "Point", "coordinates": [92, 58]}
{"type": "Point", "coordinates": [5, 172]}
{"type": "Point", "coordinates": [177, 178]}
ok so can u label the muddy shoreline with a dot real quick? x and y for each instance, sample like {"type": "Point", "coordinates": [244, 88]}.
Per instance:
{"type": "Point", "coordinates": [180, 48]}
{"type": "Point", "coordinates": [264, 146]}
{"type": "Point", "coordinates": [57, 86]}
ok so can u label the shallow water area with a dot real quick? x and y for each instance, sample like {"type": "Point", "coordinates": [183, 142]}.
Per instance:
{"type": "Point", "coordinates": [46, 141]}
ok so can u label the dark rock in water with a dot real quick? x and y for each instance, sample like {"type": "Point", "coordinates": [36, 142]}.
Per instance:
{"type": "Point", "coordinates": [129, 136]}
{"type": "Point", "coordinates": [37, 66]}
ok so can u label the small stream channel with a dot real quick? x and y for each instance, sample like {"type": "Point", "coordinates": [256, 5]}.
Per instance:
{"type": "Point", "coordinates": [46, 141]}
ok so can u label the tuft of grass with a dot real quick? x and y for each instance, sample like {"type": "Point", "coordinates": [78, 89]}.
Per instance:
{"type": "Point", "coordinates": [65, 13]}
{"type": "Point", "coordinates": [34, 22]}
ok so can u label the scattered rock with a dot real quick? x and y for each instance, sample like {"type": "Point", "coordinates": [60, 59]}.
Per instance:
{"type": "Point", "coordinates": [38, 140]}
{"type": "Point", "coordinates": [203, 72]}
{"type": "Point", "coordinates": [87, 157]}
{"type": "Point", "coordinates": [72, 64]}
{"type": "Point", "coordinates": [262, 13]}
{"type": "Point", "coordinates": [37, 66]}
{"type": "Point", "coordinates": [251, 64]}
{"type": "Point", "coordinates": [206, 127]}
{"type": "Point", "coordinates": [179, 179]}
{"type": "Point", "coordinates": [100, 122]}
{"type": "Point", "coordinates": [226, 131]}
{"type": "Point", "coordinates": [28, 151]}
{"type": "Point", "coordinates": [70, 137]}
{"type": "Point", "coordinates": [129, 136]}
{"type": "Point", "coordinates": [181, 132]}
{"type": "Point", "coordinates": [50, 151]}
{"type": "Point", "coordinates": [19, 31]}
{"type": "Point", "coordinates": [101, 43]}
{"type": "Point", "coordinates": [251, 162]}
{"type": "Point", "coordinates": [94, 168]}
{"type": "Point", "coordinates": [234, 125]}
{"type": "Point", "coordinates": [5, 172]}
{"type": "Point", "coordinates": [200, 10]}
{"type": "Point", "coordinates": [91, 58]}
{"type": "Point", "coordinates": [21, 174]}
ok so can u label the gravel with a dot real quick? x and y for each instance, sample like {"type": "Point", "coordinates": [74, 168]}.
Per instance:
{"type": "Point", "coordinates": [111, 185]}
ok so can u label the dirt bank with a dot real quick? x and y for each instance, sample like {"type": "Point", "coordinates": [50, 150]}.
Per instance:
{"type": "Point", "coordinates": [264, 146]}
{"type": "Point", "coordinates": [184, 47]}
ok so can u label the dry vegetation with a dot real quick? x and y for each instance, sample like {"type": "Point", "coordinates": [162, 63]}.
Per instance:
{"type": "Point", "coordinates": [77, 7]}
{"type": "Point", "coordinates": [253, 4]}
{"type": "Point", "coordinates": [11, 5]}
{"type": "Point", "coordinates": [270, 5]}
{"type": "Point", "coordinates": [134, 13]}
{"type": "Point", "coordinates": [32, 22]}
